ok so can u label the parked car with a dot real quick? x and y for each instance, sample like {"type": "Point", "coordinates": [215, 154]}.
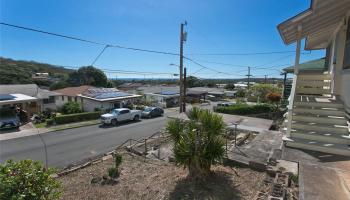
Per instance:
{"type": "Point", "coordinates": [9, 119]}
{"type": "Point", "coordinates": [119, 115]}
{"type": "Point", "coordinates": [150, 112]}
{"type": "Point", "coordinates": [225, 104]}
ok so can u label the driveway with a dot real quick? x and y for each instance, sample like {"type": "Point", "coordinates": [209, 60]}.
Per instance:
{"type": "Point", "coordinates": [73, 145]}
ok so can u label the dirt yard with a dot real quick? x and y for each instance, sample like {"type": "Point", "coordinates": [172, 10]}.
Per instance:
{"type": "Point", "coordinates": [155, 179]}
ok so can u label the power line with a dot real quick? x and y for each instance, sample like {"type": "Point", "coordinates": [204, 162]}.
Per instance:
{"type": "Point", "coordinates": [128, 71]}
{"type": "Point", "coordinates": [89, 41]}
{"type": "Point", "coordinates": [104, 48]}
{"type": "Point", "coordinates": [240, 54]}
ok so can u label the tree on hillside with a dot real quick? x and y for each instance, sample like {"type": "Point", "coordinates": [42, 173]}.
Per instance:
{"type": "Point", "coordinates": [198, 143]}
{"type": "Point", "coordinates": [88, 76]}
{"type": "Point", "coordinates": [193, 81]}
{"type": "Point", "coordinates": [230, 86]}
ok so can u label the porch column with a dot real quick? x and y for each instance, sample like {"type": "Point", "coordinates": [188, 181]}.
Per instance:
{"type": "Point", "coordinates": [296, 72]}
{"type": "Point", "coordinates": [338, 67]}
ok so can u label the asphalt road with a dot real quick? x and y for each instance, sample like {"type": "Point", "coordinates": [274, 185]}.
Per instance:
{"type": "Point", "coordinates": [74, 145]}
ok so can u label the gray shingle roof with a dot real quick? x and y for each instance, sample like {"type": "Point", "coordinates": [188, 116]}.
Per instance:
{"type": "Point", "coordinates": [27, 89]}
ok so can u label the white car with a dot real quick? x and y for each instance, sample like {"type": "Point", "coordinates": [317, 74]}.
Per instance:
{"type": "Point", "coordinates": [119, 115]}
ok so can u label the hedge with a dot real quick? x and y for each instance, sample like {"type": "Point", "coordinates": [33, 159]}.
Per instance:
{"type": "Point", "coordinates": [244, 109]}
{"type": "Point", "coordinates": [63, 119]}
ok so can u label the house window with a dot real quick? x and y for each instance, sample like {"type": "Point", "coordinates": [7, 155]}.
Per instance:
{"type": "Point", "coordinates": [347, 48]}
{"type": "Point", "coordinates": [51, 99]}
{"type": "Point", "coordinates": [69, 98]}
{"type": "Point", "coordinates": [62, 98]}
{"type": "Point", "coordinates": [75, 99]}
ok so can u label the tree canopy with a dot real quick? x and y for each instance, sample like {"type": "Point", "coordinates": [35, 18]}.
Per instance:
{"type": "Point", "coordinates": [88, 75]}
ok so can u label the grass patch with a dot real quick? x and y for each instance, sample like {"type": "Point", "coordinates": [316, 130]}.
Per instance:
{"type": "Point", "coordinates": [40, 125]}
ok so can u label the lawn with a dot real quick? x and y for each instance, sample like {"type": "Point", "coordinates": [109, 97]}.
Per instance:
{"type": "Point", "coordinates": [156, 179]}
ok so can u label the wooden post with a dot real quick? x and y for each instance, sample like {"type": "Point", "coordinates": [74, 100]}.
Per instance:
{"type": "Point", "coordinates": [145, 148]}
{"type": "Point", "coordinates": [296, 71]}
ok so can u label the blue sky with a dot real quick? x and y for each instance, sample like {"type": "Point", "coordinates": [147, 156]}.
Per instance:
{"type": "Point", "coordinates": [222, 26]}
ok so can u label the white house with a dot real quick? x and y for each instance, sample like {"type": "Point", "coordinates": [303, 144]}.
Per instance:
{"type": "Point", "coordinates": [319, 104]}
{"type": "Point", "coordinates": [45, 99]}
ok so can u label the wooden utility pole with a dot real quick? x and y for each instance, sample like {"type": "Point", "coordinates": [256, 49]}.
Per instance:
{"type": "Point", "coordinates": [182, 39]}
{"type": "Point", "coordinates": [248, 75]}
{"type": "Point", "coordinates": [185, 88]}
{"type": "Point", "coordinates": [265, 79]}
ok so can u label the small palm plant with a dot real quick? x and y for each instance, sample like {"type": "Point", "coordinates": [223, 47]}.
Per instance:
{"type": "Point", "coordinates": [198, 143]}
{"type": "Point", "coordinates": [114, 172]}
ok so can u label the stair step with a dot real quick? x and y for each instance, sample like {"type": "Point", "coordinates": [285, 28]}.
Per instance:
{"type": "Point", "coordinates": [339, 149]}
{"type": "Point", "coordinates": [335, 129]}
{"type": "Point", "coordinates": [320, 119]}
{"type": "Point", "coordinates": [319, 104]}
{"type": "Point", "coordinates": [322, 137]}
{"type": "Point", "coordinates": [324, 112]}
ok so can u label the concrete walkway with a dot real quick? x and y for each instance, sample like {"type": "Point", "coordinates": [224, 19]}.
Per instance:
{"type": "Point", "coordinates": [321, 176]}
{"type": "Point", "coordinates": [259, 149]}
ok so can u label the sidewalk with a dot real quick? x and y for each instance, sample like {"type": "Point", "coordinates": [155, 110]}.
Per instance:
{"type": "Point", "coordinates": [29, 129]}
{"type": "Point", "coordinates": [322, 176]}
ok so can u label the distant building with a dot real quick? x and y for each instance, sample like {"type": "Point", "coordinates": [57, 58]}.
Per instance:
{"type": "Point", "coordinates": [40, 76]}
{"type": "Point", "coordinates": [162, 96]}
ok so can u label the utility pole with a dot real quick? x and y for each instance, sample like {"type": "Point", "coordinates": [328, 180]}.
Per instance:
{"type": "Point", "coordinates": [265, 79]}
{"type": "Point", "coordinates": [182, 39]}
{"type": "Point", "coordinates": [185, 88]}
{"type": "Point", "coordinates": [248, 75]}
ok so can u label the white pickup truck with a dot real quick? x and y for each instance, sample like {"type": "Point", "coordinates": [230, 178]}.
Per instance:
{"type": "Point", "coordinates": [119, 115]}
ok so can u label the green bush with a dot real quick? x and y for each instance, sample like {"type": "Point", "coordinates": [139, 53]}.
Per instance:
{"type": "Point", "coordinates": [63, 119]}
{"type": "Point", "coordinates": [244, 109]}
{"type": "Point", "coordinates": [113, 172]}
{"type": "Point", "coordinates": [49, 122]}
{"type": "Point", "coordinates": [27, 179]}
{"type": "Point", "coordinates": [71, 108]}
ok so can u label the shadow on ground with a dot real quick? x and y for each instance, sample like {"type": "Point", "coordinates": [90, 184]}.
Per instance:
{"type": "Point", "coordinates": [218, 185]}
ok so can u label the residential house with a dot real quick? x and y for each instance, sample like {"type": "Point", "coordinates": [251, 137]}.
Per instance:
{"type": "Point", "coordinates": [106, 99]}
{"type": "Point", "coordinates": [319, 103]}
{"type": "Point", "coordinates": [162, 96]}
{"type": "Point", "coordinates": [24, 102]}
{"type": "Point", "coordinates": [45, 99]}
{"type": "Point", "coordinates": [69, 94]}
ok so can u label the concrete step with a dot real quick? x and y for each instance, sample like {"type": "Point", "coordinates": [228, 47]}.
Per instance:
{"type": "Point", "coordinates": [324, 128]}
{"type": "Point", "coordinates": [321, 137]}
{"type": "Point", "coordinates": [339, 149]}
{"type": "Point", "coordinates": [320, 119]}
{"type": "Point", "coordinates": [319, 104]}
{"type": "Point", "coordinates": [324, 112]}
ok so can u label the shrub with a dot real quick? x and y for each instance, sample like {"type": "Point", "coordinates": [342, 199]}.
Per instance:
{"type": "Point", "coordinates": [274, 97]}
{"type": "Point", "coordinates": [71, 108]}
{"type": "Point", "coordinates": [27, 179]}
{"type": "Point", "coordinates": [49, 122]}
{"type": "Point", "coordinates": [117, 160]}
{"type": "Point", "coordinates": [63, 119]}
{"type": "Point", "coordinates": [240, 93]}
{"type": "Point", "coordinates": [113, 172]}
{"type": "Point", "coordinates": [243, 109]}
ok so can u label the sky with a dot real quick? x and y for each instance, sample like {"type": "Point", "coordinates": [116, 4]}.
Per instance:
{"type": "Point", "coordinates": [213, 27]}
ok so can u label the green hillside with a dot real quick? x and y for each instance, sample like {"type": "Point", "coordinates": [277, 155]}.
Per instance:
{"type": "Point", "coordinates": [20, 72]}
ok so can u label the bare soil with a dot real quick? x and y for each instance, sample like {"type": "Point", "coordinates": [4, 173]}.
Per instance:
{"type": "Point", "coordinates": [154, 179]}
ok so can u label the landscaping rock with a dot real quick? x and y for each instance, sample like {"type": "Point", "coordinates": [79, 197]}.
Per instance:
{"type": "Point", "coordinates": [96, 180]}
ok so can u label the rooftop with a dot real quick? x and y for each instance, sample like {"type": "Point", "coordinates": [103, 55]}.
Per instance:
{"type": "Point", "coordinates": [15, 98]}
{"type": "Point", "coordinates": [73, 91]}
{"type": "Point", "coordinates": [313, 65]}
{"type": "Point", "coordinates": [106, 94]}
{"type": "Point", "coordinates": [27, 89]}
